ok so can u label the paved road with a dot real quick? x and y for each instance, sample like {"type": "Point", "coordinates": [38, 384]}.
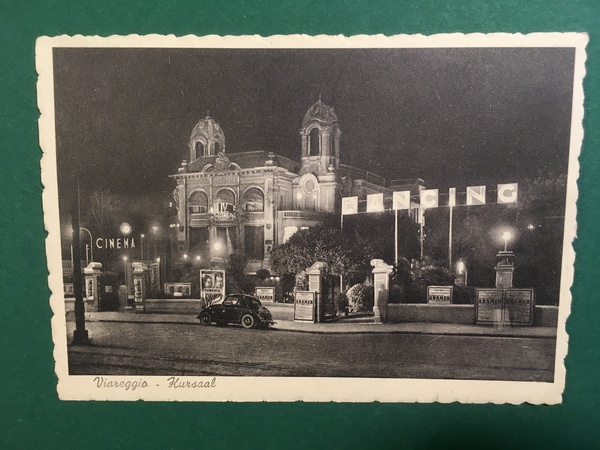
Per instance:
{"type": "Point", "coordinates": [191, 349]}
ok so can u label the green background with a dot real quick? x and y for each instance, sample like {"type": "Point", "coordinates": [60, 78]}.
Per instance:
{"type": "Point", "coordinates": [31, 416]}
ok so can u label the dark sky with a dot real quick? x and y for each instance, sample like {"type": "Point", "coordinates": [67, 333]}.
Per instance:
{"type": "Point", "coordinates": [453, 117]}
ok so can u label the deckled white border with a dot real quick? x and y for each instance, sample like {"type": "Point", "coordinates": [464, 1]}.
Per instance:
{"type": "Point", "coordinates": [285, 389]}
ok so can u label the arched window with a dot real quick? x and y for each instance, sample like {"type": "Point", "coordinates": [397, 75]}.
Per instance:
{"type": "Point", "coordinates": [217, 148]}
{"type": "Point", "coordinates": [254, 200]}
{"type": "Point", "coordinates": [199, 149]}
{"type": "Point", "coordinates": [314, 145]}
{"type": "Point", "coordinates": [224, 201]}
{"type": "Point", "coordinates": [198, 202]}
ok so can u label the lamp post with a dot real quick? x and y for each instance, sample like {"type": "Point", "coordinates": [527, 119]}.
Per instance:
{"type": "Point", "coordinates": [142, 245]}
{"type": "Point", "coordinates": [506, 236]}
{"type": "Point", "coordinates": [91, 242]}
{"type": "Point", "coordinates": [158, 274]}
{"type": "Point", "coordinates": [125, 268]}
{"type": "Point", "coordinates": [155, 230]}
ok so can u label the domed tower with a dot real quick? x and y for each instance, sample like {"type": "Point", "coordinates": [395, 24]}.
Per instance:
{"type": "Point", "coordinates": [207, 139]}
{"type": "Point", "coordinates": [320, 140]}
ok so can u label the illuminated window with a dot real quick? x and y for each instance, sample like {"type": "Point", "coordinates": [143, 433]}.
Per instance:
{"type": "Point", "coordinates": [224, 201]}
{"type": "Point", "coordinates": [198, 202]}
{"type": "Point", "coordinates": [254, 200]}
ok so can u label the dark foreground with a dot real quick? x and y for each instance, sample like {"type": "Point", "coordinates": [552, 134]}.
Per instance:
{"type": "Point", "coordinates": [120, 348]}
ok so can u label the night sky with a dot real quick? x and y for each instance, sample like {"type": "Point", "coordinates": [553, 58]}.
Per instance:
{"type": "Point", "coordinates": [453, 117]}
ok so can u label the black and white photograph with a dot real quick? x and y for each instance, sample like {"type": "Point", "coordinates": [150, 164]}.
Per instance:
{"type": "Point", "coordinates": [322, 218]}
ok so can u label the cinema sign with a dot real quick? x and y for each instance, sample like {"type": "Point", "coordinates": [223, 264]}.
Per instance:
{"type": "Point", "coordinates": [115, 243]}
{"type": "Point", "coordinates": [429, 198]}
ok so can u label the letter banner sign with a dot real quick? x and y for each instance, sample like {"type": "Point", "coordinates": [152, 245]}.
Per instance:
{"type": "Point", "coordinates": [507, 193]}
{"type": "Point", "coordinates": [401, 200]}
{"type": "Point", "coordinates": [441, 295]}
{"type": "Point", "coordinates": [212, 286]}
{"type": "Point", "coordinates": [429, 198]}
{"type": "Point", "coordinates": [475, 195]}
{"type": "Point", "coordinates": [265, 294]}
{"type": "Point", "coordinates": [452, 197]}
{"type": "Point", "coordinates": [375, 203]}
{"type": "Point", "coordinates": [488, 306]}
{"type": "Point", "coordinates": [349, 205]}
{"type": "Point", "coordinates": [304, 306]}
{"type": "Point", "coordinates": [518, 306]}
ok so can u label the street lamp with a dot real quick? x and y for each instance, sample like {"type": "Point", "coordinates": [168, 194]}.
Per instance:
{"type": "Point", "coordinates": [506, 236]}
{"type": "Point", "coordinates": [142, 239]}
{"type": "Point", "coordinates": [198, 258]}
{"type": "Point", "coordinates": [125, 228]}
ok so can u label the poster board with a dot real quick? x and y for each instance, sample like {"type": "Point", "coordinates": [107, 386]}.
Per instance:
{"type": "Point", "coordinates": [212, 285]}
{"type": "Point", "coordinates": [265, 293]}
{"type": "Point", "coordinates": [518, 306]}
{"type": "Point", "coordinates": [488, 306]}
{"type": "Point", "coordinates": [304, 306]}
{"type": "Point", "coordinates": [440, 295]}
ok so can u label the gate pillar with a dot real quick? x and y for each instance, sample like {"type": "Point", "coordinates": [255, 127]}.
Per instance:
{"type": "Point", "coordinates": [315, 283]}
{"type": "Point", "coordinates": [140, 285]}
{"type": "Point", "coordinates": [505, 270]}
{"type": "Point", "coordinates": [92, 291]}
{"type": "Point", "coordinates": [381, 287]}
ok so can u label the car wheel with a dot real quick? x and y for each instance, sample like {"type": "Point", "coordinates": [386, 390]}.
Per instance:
{"type": "Point", "coordinates": [205, 318]}
{"type": "Point", "coordinates": [248, 321]}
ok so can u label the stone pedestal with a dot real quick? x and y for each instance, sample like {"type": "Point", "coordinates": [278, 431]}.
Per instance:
{"type": "Point", "coordinates": [505, 270]}
{"type": "Point", "coordinates": [92, 292]}
{"type": "Point", "coordinates": [315, 280]}
{"type": "Point", "coordinates": [381, 286]}
{"type": "Point", "coordinates": [140, 285]}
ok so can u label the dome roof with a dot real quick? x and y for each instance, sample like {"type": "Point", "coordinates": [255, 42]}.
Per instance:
{"type": "Point", "coordinates": [206, 128]}
{"type": "Point", "coordinates": [320, 112]}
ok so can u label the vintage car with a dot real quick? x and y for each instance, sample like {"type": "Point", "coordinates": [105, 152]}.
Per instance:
{"type": "Point", "coordinates": [237, 308]}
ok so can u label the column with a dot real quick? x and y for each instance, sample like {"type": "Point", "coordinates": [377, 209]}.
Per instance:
{"type": "Point", "coordinates": [140, 285]}
{"type": "Point", "coordinates": [92, 292]}
{"type": "Point", "coordinates": [381, 286]}
{"type": "Point", "coordinates": [315, 283]}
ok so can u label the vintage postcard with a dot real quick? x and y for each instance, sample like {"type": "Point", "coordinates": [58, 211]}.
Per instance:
{"type": "Point", "coordinates": [311, 218]}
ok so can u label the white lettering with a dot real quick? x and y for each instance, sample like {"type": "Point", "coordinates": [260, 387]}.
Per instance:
{"type": "Point", "coordinates": [475, 195]}
{"type": "Point", "coordinates": [507, 193]}
{"type": "Point", "coordinates": [452, 197]}
{"type": "Point", "coordinates": [401, 200]}
{"type": "Point", "coordinates": [429, 198]}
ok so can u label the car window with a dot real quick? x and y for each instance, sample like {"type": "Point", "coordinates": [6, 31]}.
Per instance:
{"type": "Point", "coordinates": [256, 303]}
{"type": "Point", "coordinates": [230, 301]}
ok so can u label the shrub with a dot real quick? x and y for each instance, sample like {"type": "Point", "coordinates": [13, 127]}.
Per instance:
{"type": "Point", "coordinates": [360, 298]}
{"type": "Point", "coordinates": [341, 302]}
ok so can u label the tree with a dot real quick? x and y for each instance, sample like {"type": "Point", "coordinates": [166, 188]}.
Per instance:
{"type": "Point", "coordinates": [321, 243]}
{"type": "Point", "coordinates": [364, 238]}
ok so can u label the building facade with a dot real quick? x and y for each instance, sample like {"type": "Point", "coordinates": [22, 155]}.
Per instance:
{"type": "Point", "coordinates": [251, 202]}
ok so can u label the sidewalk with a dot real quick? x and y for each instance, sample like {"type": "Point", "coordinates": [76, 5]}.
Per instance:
{"type": "Point", "coordinates": [340, 326]}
